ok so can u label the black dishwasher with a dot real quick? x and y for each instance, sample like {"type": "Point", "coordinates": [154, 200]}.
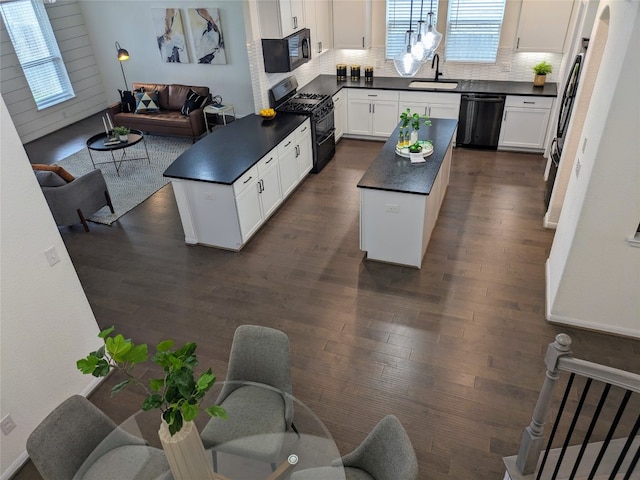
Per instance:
{"type": "Point", "coordinates": [480, 120]}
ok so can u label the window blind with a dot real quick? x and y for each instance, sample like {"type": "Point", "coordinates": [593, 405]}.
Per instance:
{"type": "Point", "coordinates": [473, 30]}
{"type": "Point", "coordinates": [37, 50]}
{"type": "Point", "coordinates": [398, 13]}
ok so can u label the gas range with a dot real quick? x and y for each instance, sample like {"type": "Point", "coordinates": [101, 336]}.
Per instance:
{"type": "Point", "coordinates": [315, 104]}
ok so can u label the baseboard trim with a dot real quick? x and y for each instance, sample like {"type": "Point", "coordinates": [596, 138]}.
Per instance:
{"type": "Point", "coordinates": [548, 224]}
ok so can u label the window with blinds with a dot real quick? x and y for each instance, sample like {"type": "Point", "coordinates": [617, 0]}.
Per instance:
{"type": "Point", "coordinates": [398, 15]}
{"type": "Point", "coordinates": [32, 37]}
{"type": "Point", "coordinates": [473, 30]}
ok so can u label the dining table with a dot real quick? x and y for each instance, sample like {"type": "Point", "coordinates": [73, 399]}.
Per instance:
{"type": "Point", "coordinates": [311, 446]}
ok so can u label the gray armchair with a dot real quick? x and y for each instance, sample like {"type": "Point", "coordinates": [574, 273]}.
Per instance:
{"type": "Point", "coordinates": [385, 454]}
{"type": "Point", "coordinates": [73, 201]}
{"type": "Point", "coordinates": [77, 441]}
{"type": "Point", "coordinates": [259, 415]}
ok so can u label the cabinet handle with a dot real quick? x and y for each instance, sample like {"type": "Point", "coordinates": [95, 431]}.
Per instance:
{"type": "Point", "coordinates": [369, 108]}
{"type": "Point", "coordinates": [295, 22]}
{"type": "Point", "coordinates": [259, 187]}
{"type": "Point", "coordinates": [374, 108]}
{"type": "Point", "coordinates": [362, 42]}
{"type": "Point", "coordinates": [303, 130]}
{"type": "Point", "coordinates": [248, 179]}
{"type": "Point", "coordinates": [262, 185]}
{"type": "Point", "coordinates": [288, 143]}
{"type": "Point", "coordinates": [518, 44]}
{"type": "Point", "coordinates": [297, 150]}
{"type": "Point", "coordinates": [372, 95]}
{"type": "Point", "coordinates": [530, 103]}
{"type": "Point", "coordinates": [319, 47]}
{"type": "Point", "coordinates": [269, 161]}
{"type": "Point", "coordinates": [505, 116]}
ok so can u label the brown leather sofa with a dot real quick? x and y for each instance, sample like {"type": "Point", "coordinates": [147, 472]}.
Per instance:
{"type": "Point", "coordinates": [168, 120]}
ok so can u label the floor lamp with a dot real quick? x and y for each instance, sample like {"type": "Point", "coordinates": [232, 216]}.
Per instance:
{"type": "Point", "coordinates": [122, 56]}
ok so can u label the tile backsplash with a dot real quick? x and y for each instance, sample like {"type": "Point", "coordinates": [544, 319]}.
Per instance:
{"type": "Point", "coordinates": [510, 66]}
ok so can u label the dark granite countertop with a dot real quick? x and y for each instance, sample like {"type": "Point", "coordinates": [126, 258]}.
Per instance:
{"type": "Point", "coordinates": [394, 173]}
{"type": "Point", "coordinates": [329, 84]}
{"type": "Point", "coordinates": [229, 151]}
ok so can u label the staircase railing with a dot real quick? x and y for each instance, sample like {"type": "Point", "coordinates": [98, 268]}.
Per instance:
{"type": "Point", "coordinates": [584, 461]}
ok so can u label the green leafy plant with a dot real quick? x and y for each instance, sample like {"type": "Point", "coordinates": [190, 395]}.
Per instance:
{"type": "Point", "coordinates": [414, 119]}
{"type": "Point", "coordinates": [415, 148]}
{"type": "Point", "coordinates": [543, 68]}
{"type": "Point", "coordinates": [121, 130]}
{"type": "Point", "coordinates": [405, 118]}
{"type": "Point", "coordinates": [178, 394]}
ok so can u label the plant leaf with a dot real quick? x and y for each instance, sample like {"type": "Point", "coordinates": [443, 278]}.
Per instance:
{"type": "Point", "coordinates": [165, 346]}
{"type": "Point", "coordinates": [120, 386]}
{"type": "Point", "coordinates": [205, 381]}
{"type": "Point", "coordinates": [87, 365]}
{"type": "Point", "coordinates": [156, 384]}
{"type": "Point", "coordinates": [137, 354]}
{"type": "Point", "coordinates": [216, 411]}
{"type": "Point", "coordinates": [104, 333]}
{"type": "Point", "coordinates": [151, 402]}
{"type": "Point", "coordinates": [189, 412]}
{"type": "Point", "coordinates": [118, 347]}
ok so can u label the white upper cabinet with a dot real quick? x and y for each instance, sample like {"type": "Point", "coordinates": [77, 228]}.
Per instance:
{"type": "Point", "coordinates": [352, 24]}
{"type": "Point", "coordinates": [543, 25]}
{"type": "Point", "coordinates": [318, 16]}
{"type": "Point", "coordinates": [280, 18]}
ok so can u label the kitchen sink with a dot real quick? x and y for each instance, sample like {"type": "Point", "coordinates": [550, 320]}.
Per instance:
{"type": "Point", "coordinates": [434, 85]}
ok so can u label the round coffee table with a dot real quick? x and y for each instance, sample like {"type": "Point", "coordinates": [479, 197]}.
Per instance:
{"type": "Point", "coordinates": [97, 143]}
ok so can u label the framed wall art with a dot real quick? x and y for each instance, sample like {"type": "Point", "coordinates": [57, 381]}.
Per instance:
{"type": "Point", "coordinates": [208, 40]}
{"type": "Point", "coordinates": [170, 35]}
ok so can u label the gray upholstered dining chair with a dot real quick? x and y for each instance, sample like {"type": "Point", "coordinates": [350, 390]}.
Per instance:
{"type": "Point", "coordinates": [77, 441]}
{"type": "Point", "coordinates": [385, 454]}
{"type": "Point", "coordinates": [256, 396]}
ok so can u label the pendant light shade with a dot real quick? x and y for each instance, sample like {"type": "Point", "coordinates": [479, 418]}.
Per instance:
{"type": "Point", "coordinates": [406, 63]}
{"type": "Point", "coordinates": [431, 38]}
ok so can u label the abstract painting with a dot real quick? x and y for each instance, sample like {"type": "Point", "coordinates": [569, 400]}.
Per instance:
{"type": "Point", "coordinates": [170, 35]}
{"type": "Point", "coordinates": [207, 35]}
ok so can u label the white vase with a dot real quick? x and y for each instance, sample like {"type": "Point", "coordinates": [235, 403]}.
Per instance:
{"type": "Point", "coordinates": [123, 138]}
{"type": "Point", "coordinates": [185, 453]}
{"type": "Point", "coordinates": [414, 137]}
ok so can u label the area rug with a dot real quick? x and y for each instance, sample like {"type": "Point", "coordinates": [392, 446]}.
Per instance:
{"type": "Point", "coordinates": [137, 181]}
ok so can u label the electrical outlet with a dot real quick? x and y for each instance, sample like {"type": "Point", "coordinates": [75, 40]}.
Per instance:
{"type": "Point", "coordinates": [7, 424]}
{"type": "Point", "coordinates": [52, 256]}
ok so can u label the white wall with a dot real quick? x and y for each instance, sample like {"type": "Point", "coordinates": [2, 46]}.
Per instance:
{"type": "Point", "coordinates": [73, 41]}
{"type": "Point", "coordinates": [131, 25]}
{"type": "Point", "coordinates": [593, 273]}
{"type": "Point", "coordinates": [45, 318]}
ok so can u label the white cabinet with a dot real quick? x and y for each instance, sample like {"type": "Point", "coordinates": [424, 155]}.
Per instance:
{"type": "Point", "coordinates": [352, 24]}
{"type": "Point", "coordinates": [524, 123]}
{"type": "Point", "coordinates": [280, 18]}
{"type": "Point", "coordinates": [319, 21]}
{"type": "Point", "coordinates": [431, 104]}
{"type": "Point", "coordinates": [372, 112]}
{"type": "Point", "coordinates": [258, 194]}
{"type": "Point", "coordinates": [543, 25]}
{"type": "Point", "coordinates": [340, 113]}
{"type": "Point", "coordinates": [226, 216]}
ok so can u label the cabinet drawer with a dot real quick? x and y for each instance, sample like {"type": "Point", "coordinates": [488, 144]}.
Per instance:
{"type": "Point", "coordinates": [373, 95]}
{"type": "Point", "coordinates": [302, 130]}
{"type": "Point", "coordinates": [245, 180]}
{"type": "Point", "coordinates": [267, 161]}
{"type": "Point", "coordinates": [430, 97]}
{"type": "Point", "coordinates": [528, 102]}
{"type": "Point", "coordinates": [287, 144]}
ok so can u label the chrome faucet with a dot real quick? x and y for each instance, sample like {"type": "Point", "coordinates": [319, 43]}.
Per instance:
{"type": "Point", "coordinates": [436, 61]}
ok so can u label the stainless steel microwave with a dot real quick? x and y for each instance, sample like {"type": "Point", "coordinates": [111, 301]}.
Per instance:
{"type": "Point", "coordinates": [286, 54]}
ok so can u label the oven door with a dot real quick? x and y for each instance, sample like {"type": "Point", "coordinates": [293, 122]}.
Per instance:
{"type": "Point", "coordinates": [324, 142]}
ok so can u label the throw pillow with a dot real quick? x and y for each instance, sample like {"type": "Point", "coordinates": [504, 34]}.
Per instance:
{"type": "Point", "coordinates": [47, 178]}
{"type": "Point", "coordinates": [193, 102]}
{"type": "Point", "coordinates": [127, 101]}
{"type": "Point", "coordinates": [147, 102]}
{"type": "Point", "coordinates": [58, 170]}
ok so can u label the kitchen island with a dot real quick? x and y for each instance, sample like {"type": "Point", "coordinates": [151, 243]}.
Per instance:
{"type": "Point", "coordinates": [400, 200]}
{"type": "Point", "coordinates": [230, 182]}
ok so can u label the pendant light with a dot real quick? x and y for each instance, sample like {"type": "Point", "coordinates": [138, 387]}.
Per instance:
{"type": "Point", "coordinates": [431, 39]}
{"type": "Point", "coordinates": [407, 65]}
{"type": "Point", "coordinates": [418, 49]}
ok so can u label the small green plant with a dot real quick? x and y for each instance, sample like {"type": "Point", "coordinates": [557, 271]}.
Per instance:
{"type": "Point", "coordinates": [414, 119]}
{"type": "Point", "coordinates": [121, 130]}
{"type": "Point", "coordinates": [415, 148]}
{"type": "Point", "coordinates": [543, 68]}
{"type": "Point", "coordinates": [178, 394]}
{"type": "Point", "coordinates": [405, 118]}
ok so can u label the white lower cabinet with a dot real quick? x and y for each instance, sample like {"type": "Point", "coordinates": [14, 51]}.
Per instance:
{"type": "Point", "coordinates": [340, 113]}
{"type": "Point", "coordinates": [524, 123]}
{"type": "Point", "coordinates": [226, 216]}
{"type": "Point", "coordinates": [431, 104]}
{"type": "Point", "coordinates": [372, 112]}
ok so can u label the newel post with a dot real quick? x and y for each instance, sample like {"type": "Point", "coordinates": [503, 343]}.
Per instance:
{"type": "Point", "coordinates": [533, 438]}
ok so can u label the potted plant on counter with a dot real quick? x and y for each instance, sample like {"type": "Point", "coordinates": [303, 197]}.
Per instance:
{"type": "Point", "coordinates": [415, 153]}
{"type": "Point", "coordinates": [178, 395]}
{"type": "Point", "coordinates": [541, 70]}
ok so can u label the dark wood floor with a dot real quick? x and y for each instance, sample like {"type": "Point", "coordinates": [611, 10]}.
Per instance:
{"type": "Point", "coordinates": [455, 349]}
